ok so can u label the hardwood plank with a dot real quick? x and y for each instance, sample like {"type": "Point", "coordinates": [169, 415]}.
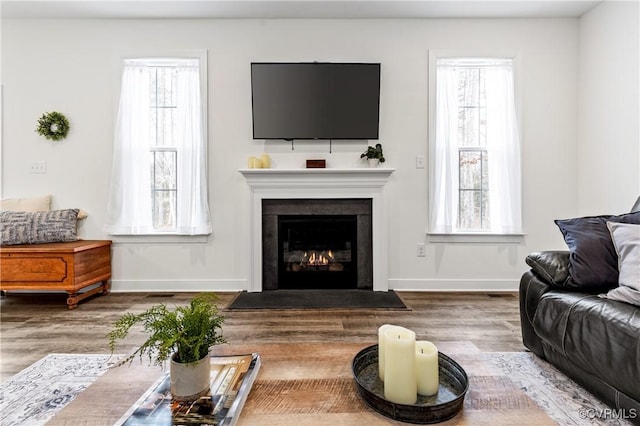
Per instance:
{"type": "Point", "coordinates": [34, 325]}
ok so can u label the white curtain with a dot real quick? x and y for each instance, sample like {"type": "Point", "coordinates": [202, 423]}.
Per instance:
{"type": "Point", "coordinates": [129, 209]}
{"type": "Point", "coordinates": [129, 204]}
{"type": "Point", "coordinates": [444, 200]}
{"type": "Point", "coordinates": [193, 208]}
{"type": "Point", "coordinates": [503, 148]}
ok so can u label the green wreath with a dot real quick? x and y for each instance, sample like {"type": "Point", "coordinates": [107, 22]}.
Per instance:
{"type": "Point", "coordinates": [53, 125]}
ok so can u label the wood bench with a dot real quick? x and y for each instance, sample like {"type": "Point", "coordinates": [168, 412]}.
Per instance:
{"type": "Point", "coordinates": [69, 267]}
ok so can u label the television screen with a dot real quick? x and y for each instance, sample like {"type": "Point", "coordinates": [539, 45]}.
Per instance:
{"type": "Point", "coordinates": [315, 100]}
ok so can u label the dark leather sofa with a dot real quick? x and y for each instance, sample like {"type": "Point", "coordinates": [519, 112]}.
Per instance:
{"type": "Point", "coordinates": [594, 341]}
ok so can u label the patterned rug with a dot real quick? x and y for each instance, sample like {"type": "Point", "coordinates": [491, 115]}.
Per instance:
{"type": "Point", "coordinates": [33, 396]}
{"type": "Point", "coordinates": [562, 399]}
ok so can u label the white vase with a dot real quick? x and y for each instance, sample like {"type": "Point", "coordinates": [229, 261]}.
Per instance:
{"type": "Point", "coordinates": [190, 381]}
{"type": "Point", "coordinates": [373, 162]}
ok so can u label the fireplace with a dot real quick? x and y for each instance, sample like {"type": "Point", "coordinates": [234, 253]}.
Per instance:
{"type": "Point", "coordinates": [318, 184]}
{"type": "Point", "coordinates": [317, 244]}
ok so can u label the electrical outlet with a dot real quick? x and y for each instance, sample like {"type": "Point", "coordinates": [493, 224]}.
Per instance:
{"type": "Point", "coordinates": [419, 161]}
{"type": "Point", "coordinates": [39, 167]}
{"type": "Point", "coordinates": [421, 250]}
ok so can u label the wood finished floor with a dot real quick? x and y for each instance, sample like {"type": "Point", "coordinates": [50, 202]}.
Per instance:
{"type": "Point", "coordinates": [34, 325]}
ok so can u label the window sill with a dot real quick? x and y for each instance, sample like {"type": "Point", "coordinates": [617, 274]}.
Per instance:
{"type": "Point", "coordinates": [159, 239]}
{"type": "Point", "coordinates": [476, 237]}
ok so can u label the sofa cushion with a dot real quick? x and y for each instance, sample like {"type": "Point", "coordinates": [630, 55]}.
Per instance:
{"type": "Point", "coordinates": [598, 335]}
{"type": "Point", "coordinates": [626, 240]}
{"type": "Point", "coordinates": [551, 266]}
{"type": "Point", "coordinates": [33, 204]}
{"type": "Point", "coordinates": [38, 227]}
{"type": "Point", "coordinates": [593, 262]}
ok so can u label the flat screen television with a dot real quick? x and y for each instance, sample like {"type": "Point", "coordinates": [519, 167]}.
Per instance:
{"type": "Point", "coordinates": [315, 100]}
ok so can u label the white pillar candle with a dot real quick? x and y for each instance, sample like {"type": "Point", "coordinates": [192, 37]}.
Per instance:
{"type": "Point", "coordinates": [266, 161]}
{"type": "Point", "coordinates": [251, 163]}
{"type": "Point", "coordinates": [427, 368]}
{"type": "Point", "coordinates": [400, 383]}
{"type": "Point", "coordinates": [381, 353]}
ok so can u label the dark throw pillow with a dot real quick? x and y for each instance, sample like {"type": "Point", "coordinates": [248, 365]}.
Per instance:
{"type": "Point", "coordinates": [593, 261]}
{"type": "Point", "coordinates": [38, 227]}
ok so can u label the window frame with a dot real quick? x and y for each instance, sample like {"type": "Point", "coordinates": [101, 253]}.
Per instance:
{"type": "Point", "coordinates": [468, 236]}
{"type": "Point", "coordinates": [163, 237]}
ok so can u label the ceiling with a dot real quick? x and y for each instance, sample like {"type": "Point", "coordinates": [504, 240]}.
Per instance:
{"type": "Point", "coordinates": [292, 9]}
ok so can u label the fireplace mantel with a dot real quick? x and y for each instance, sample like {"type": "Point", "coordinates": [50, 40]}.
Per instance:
{"type": "Point", "coordinates": [325, 184]}
{"type": "Point", "coordinates": [288, 178]}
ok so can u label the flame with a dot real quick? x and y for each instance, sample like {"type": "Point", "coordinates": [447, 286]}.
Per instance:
{"type": "Point", "coordinates": [317, 259]}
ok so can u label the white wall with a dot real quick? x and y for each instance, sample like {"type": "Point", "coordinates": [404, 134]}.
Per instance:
{"type": "Point", "coordinates": [73, 67]}
{"type": "Point", "coordinates": [609, 96]}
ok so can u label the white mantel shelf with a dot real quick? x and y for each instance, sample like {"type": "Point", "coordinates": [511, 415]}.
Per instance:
{"type": "Point", "coordinates": [314, 184]}
{"type": "Point", "coordinates": [359, 177]}
{"type": "Point", "coordinates": [312, 171]}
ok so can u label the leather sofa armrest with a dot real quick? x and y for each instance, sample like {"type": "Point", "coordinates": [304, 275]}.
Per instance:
{"type": "Point", "coordinates": [552, 267]}
{"type": "Point", "coordinates": [532, 288]}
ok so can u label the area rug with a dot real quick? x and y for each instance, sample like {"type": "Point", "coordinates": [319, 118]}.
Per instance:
{"type": "Point", "coordinates": [36, 394]}
{"type": "Point", "coordinates": [563, 400]}
{"type": "Point", "coordinates": [317, 299]}
{"type": "Point", "coordinates": [33, 396]}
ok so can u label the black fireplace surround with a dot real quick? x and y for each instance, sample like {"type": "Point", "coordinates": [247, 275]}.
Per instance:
{"type": "Point", "coordinates": [317, 244]}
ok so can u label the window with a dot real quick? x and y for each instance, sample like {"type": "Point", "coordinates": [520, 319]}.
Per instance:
{"type": "Point", "coordinates": [163, 150]}
{"type": "Point", "coordinates": [475, 152]}
{"type": "Point", "coordinates": [158, 183]}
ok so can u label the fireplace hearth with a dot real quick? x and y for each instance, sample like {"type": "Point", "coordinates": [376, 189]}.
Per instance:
{"type": "Point", "coordinates": [317, 244]}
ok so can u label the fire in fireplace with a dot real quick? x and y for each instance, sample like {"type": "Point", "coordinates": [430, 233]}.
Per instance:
{"type": "Point", "coordinates": [317, 243]}
{"type": "Point", "coordinates": [317, 251]}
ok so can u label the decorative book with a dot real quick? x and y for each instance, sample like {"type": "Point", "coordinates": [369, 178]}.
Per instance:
{"type": "Point", "coordinates": [316, 164]}
{"type": "Point", "coordinates": [231, 380]}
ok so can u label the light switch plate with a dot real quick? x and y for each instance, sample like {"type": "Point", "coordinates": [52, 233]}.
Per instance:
{"type": "Point", "coordinates": [38, 167]}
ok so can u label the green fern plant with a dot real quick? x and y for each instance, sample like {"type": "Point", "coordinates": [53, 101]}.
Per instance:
{"type": "Point", "coordinates": [188, 331]}
{"type": "Point", "coordinates": [374, 153]}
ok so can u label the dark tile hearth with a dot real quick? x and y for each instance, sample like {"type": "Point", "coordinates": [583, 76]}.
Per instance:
{"type": "Point", "coordinates": [318, 299]}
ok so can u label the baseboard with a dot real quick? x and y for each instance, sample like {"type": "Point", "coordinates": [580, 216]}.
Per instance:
{"type": "Point", "coordinates": [487, 285]}
{"type": "Point", "coordinates": [400, 284]}
{"type": "Point", "coordinates": [131, 286]}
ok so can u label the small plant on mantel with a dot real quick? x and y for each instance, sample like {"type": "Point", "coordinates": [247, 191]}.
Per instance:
{"type": "Point", "coordinates": [186, 333]}
{"type": "Point", "coordinates": [374, 153]}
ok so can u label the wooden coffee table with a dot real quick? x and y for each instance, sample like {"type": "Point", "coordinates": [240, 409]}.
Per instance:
{"type": "Point", "coordinates": [312, 384]}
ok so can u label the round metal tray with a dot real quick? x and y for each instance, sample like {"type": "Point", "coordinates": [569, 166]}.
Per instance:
{"type": "Point", "coordinates": [454, 385]}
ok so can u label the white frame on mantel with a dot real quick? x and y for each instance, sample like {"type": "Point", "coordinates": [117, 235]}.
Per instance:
{"type": "Point", "coordinates": [365, 183]}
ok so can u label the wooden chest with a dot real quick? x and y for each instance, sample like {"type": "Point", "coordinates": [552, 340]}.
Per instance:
{"type": "Point", "coordinates": [69, 267]}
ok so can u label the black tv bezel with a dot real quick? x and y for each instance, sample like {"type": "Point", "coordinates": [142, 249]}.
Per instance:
{"type": "Point", "coordinates": [253, 130]}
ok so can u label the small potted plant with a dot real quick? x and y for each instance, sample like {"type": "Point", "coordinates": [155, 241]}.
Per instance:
{"type": "Point", "coordinates": [374, 155]}
{"type": "Point", "coordinates": [184, 334]}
